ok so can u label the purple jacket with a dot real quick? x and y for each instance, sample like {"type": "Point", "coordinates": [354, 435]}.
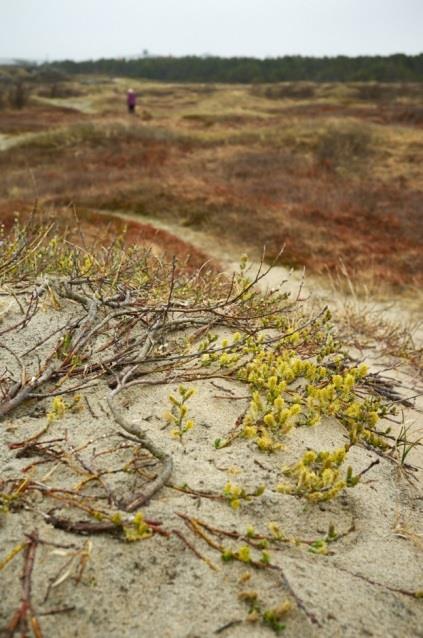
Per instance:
{"type": "Point", "coordinates": [132, 99]}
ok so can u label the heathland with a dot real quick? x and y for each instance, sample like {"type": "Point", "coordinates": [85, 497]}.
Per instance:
{"type": "Point", "coordinates": [327, 171]}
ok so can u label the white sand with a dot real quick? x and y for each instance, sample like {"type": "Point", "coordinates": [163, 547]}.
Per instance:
{"type": "Point", "coordinates": [157, 587]}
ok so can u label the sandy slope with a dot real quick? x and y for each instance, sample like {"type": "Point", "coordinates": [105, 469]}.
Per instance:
{"type": "Point", "coordinates": [157, 586]}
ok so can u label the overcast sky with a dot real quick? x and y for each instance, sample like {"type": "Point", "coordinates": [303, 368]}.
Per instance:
{"type": "Point", "coordinates": [83, 29]}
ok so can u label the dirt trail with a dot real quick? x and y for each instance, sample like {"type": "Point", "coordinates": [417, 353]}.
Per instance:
{"type": "Point", "coordinates": [405, 312]}
{"type": "Point", "coordinates": [81, 104]}
{"type": "Point", "coordinates": [8, 141]}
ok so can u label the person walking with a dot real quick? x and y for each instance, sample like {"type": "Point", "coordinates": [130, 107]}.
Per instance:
{"type": "Point", "coordinates": [131, 101]}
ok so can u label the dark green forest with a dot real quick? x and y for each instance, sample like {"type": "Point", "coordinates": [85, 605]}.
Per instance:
{"type": "Point", "coordinates": [393, 68]}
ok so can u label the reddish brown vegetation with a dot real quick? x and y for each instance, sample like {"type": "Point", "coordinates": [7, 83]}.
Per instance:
{"type": "Point", "coordinates": [162, 242]}
{"type": "Point", "coordinates": [36, 117]}
{"type": "Point", "coordinates": [328, 189]}
{"type": "Point", "coordinates": [102, 228]}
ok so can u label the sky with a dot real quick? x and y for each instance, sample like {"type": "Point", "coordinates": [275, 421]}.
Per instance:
{"type": "Point", "coordinates": [89, 29]}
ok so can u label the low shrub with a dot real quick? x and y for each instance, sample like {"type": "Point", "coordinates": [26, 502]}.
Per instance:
{"type": "Point", "coordinates": [342, 145]}
{"type": "Point", "coordinates": [298, 90]}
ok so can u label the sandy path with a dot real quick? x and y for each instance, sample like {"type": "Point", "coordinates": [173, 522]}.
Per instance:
{"type": "Point", "coordinates": [8, 141]}
{"type": "Point", "coordinates": [81, 104]}
{"type": "Point", "coordinates": [399, 310]}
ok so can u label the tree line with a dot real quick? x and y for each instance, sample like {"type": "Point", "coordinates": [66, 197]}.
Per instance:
{"type": "Point", "coordinates": [392, 68]}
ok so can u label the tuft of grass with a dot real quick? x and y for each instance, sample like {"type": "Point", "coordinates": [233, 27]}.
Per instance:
{"type": "Point", "coordinates": [404, 445]}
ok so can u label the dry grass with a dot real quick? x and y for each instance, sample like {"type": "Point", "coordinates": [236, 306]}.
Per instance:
{"type": "Point", "coordinates": [366, 329]}
{"type": "Point", "coordinates": [378, 326]}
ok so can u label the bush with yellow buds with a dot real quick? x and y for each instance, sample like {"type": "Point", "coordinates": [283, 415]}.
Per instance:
{"type": "Point", "coordinates": [270, 617]}
{"type": "Point", "coordinates": [137, 529]}
{"type": "Point", "coordinates": [59, 407]}
{"type": "Point", "coordinates": [317, 476]}
{"type": "Point", "coordinates": [235, 494]}
{"type": "Point", "coordinates": [177, 415]}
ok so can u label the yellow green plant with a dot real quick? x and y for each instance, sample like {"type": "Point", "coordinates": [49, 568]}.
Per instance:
{"type": "Point", "coordinates": [235, 494]}
{"type": "Point", "coordinates": [59, 407]}
{"type": "Point", "coordinates": [177, 415]}
{"type": "Point", "coordinates": [270, 617]}
{"type": "Point", "coordinates": [317, 476]}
